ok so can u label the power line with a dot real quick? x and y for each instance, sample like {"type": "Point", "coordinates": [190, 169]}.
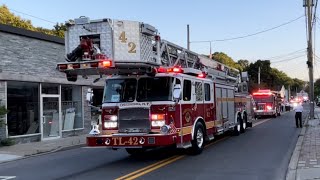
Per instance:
{"type": "Point", "coordinates": [253, 34]}
{"type": "Point", "coordinates": [283, 55]}
{"type": "Point", "coordinates": [287, 59]}
{"type": "Point", "coordinates": [33, 16]}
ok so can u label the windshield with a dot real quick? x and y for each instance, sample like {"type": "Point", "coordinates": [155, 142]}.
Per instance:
{"type": "Point", "coordinates": [262, 98]}
{"type": "Point", "coordinates": [144, 89]}
{"type": "Point", "coordinates": [154, 89]}
{"type": "Point", "coordinates": [120, 90]}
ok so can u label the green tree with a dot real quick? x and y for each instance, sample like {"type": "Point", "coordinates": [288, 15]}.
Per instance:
{"type": "Point", "coordinates": [6, 17]}
{"type": "Point", "coordinates": [317, 88]}
{"type": "Point", "coordinates": [243, 63]}
{"type": "Point", "coordinates": [225, 59]}
{"type": "Point", "coordinates": [299, 85]}
{"type": "Point", "coordinates": [59, 29]}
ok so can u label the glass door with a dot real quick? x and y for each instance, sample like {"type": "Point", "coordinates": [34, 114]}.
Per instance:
{"type": "Point", "coordinates": [50, 117]}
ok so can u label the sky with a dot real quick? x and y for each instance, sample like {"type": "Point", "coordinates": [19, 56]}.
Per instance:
{"type": "Point", "coordinates": [209, 20]}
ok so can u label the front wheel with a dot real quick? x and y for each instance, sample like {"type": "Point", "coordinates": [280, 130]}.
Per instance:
{"type": "Point", "coordinates": [198, 139]}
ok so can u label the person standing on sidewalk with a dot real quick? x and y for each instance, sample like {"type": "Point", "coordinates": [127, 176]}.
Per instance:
{"type": "Point", "coordinates": [298, 109]}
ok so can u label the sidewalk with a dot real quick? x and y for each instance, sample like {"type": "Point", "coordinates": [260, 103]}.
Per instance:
{"type": "Point", "coordinates": [305, 160]}
{"type": "Point", "coordinates": [18, 151]}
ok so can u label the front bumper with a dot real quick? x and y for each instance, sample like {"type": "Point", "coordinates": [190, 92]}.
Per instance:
{"type": "Point", "coordinates": [264, 113]}
{"type": "Point", "coordinates": [131, 140]}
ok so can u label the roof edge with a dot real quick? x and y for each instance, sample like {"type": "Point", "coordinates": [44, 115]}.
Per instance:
{"type": "Point", "coordinates": [31, 34]}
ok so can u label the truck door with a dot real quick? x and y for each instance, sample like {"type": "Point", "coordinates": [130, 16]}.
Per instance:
{"type": "Point", "coordinates": [187, 104]}
{"type": "Point", "coordinates": [199, 108]}
{"type": "Point", "coordinates": [209, 111]}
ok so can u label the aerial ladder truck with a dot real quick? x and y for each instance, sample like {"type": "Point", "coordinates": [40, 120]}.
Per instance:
{"type": "Point", "coordinates": [156, 93]}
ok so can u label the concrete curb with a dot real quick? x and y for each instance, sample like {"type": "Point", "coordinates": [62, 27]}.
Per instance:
{"type": "Point", "coordinates": [45, 152]}
{"type": "Point", "coordinates": [292, 168]}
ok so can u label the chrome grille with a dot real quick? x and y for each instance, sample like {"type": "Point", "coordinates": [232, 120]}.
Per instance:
{"type": "Point", "coordinates": [134, 120]}
{"type": "Point", "coordinates": [261, 106]}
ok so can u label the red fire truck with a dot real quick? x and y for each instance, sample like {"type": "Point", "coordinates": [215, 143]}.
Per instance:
{"type": "Point", "coordinates": [156, 93]}
{"type": "Point", "coordinates": [267, 103]}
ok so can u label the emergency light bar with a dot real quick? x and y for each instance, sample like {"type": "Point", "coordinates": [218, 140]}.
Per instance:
{"type": "Point", "coordinates": [263, 92]}
{"type": "Point", "coordinates": [198, 73]}
{"type": "Point", "coordinates": [85, 65]}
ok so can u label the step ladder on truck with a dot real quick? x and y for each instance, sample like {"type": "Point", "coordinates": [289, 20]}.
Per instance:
{"type": "Point", "coordinates": [156, 93]}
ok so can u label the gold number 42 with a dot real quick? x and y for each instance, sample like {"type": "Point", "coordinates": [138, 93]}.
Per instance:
{"type": "Point", "coordinates": [122, 37]}
{"type": "Point", "coordinates": [132, 46]}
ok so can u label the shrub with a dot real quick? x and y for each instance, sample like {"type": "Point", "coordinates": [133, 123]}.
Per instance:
{"type": "Point", "coordinates": [3, 111]}
{"type": "Point", "coordinates": [7, 142]}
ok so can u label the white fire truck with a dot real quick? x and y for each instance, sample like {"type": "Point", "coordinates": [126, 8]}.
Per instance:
{"type": "Point", "coordinates": [156, 93]}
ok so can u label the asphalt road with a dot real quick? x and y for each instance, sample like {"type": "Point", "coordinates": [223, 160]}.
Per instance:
{"type": "Point", "coordinates": [262, 152]}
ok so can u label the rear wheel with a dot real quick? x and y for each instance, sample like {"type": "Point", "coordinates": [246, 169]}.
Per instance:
{"type": "Point", "coordinates": [243, 124]}
{"type": "Point", "coordinates": [198, 139]}
{"type": "Point", "coordinates": [237, 127]}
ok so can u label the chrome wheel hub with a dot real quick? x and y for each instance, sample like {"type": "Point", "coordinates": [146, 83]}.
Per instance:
{"type": "Point", "coordinates": [199, 138]}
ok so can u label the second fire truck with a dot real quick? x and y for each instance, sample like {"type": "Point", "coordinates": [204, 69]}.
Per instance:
{"type": "Point", "coordinates": [267, 103]}
{"type": "Point", "coordinates": [156, 93]}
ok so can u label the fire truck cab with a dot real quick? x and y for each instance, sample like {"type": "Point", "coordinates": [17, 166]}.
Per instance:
{"type": "Point", "coordinates": [156, 93]}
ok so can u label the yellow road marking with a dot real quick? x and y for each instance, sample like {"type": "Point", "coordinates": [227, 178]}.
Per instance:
{"type": "Point", "coordinates": [142, 169]}
{"type": "Point", "coordinates": [260, 122]}
{"type": "Point", "coordinates": [157, 165]}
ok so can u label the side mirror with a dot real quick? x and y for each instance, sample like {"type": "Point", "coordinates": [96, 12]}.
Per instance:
{"type": "Point", "coordinates": [177, 92]}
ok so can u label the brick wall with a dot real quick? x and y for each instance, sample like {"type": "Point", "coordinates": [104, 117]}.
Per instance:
{"type": "Point", "coordinates": [28, 59]}
{"type": "Point", "coordinates": [3, 131]}
{"type": "Point", "coordinates": [32, 57]}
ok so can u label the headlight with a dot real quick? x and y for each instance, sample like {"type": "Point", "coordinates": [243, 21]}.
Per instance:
{"type": "Point", "coordinates": [158, 123]}
{"type": "Point", "coordinates": [110, 124]}
{"type": "Point", "coordinates": [295, 104]}
{"type": "Point", "coordinates": [269, 107]}
{"type": "Point", "coordinates": [113, 118]}
{"type": "Point", "coordinates": [164, 129]}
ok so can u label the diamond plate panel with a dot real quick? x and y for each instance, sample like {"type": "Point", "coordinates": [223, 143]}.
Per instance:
{"type": "Point", "coordinates": [131, 30]}
{"type": "Point", "coordinates": [147, 53]}
{"type": "Point", "coordinates": [100, 28]}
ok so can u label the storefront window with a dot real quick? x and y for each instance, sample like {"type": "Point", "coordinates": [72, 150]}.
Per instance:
{"type": "Point", "coordinates": [71, 98]}
{"type": "Point", "coordinates": [23, 106]}
{"type": "Point", "coordinates": [49, 88]}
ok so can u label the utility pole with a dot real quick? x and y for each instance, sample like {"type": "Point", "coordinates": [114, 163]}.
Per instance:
{"type": "Point", "coordinates": [210, 55]}
{"type": "Point", "coordinates": [188, 37]}
{"type": "Point", "coordinates": [259, 78]}
{"type": "Point", "coordinates": [289, 93]}
{"type": "Point", "coordinates": [308, 4]}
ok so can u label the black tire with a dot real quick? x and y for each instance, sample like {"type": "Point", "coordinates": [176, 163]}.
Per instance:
{"type": "Point", "coordinates": [243, 121]}
{"type": "Point", "coordinates": [236, 131]}
{"type": "Point", "coordinates": [135, 151]}
{"type": "Point", "coordinates": [198, 139]}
